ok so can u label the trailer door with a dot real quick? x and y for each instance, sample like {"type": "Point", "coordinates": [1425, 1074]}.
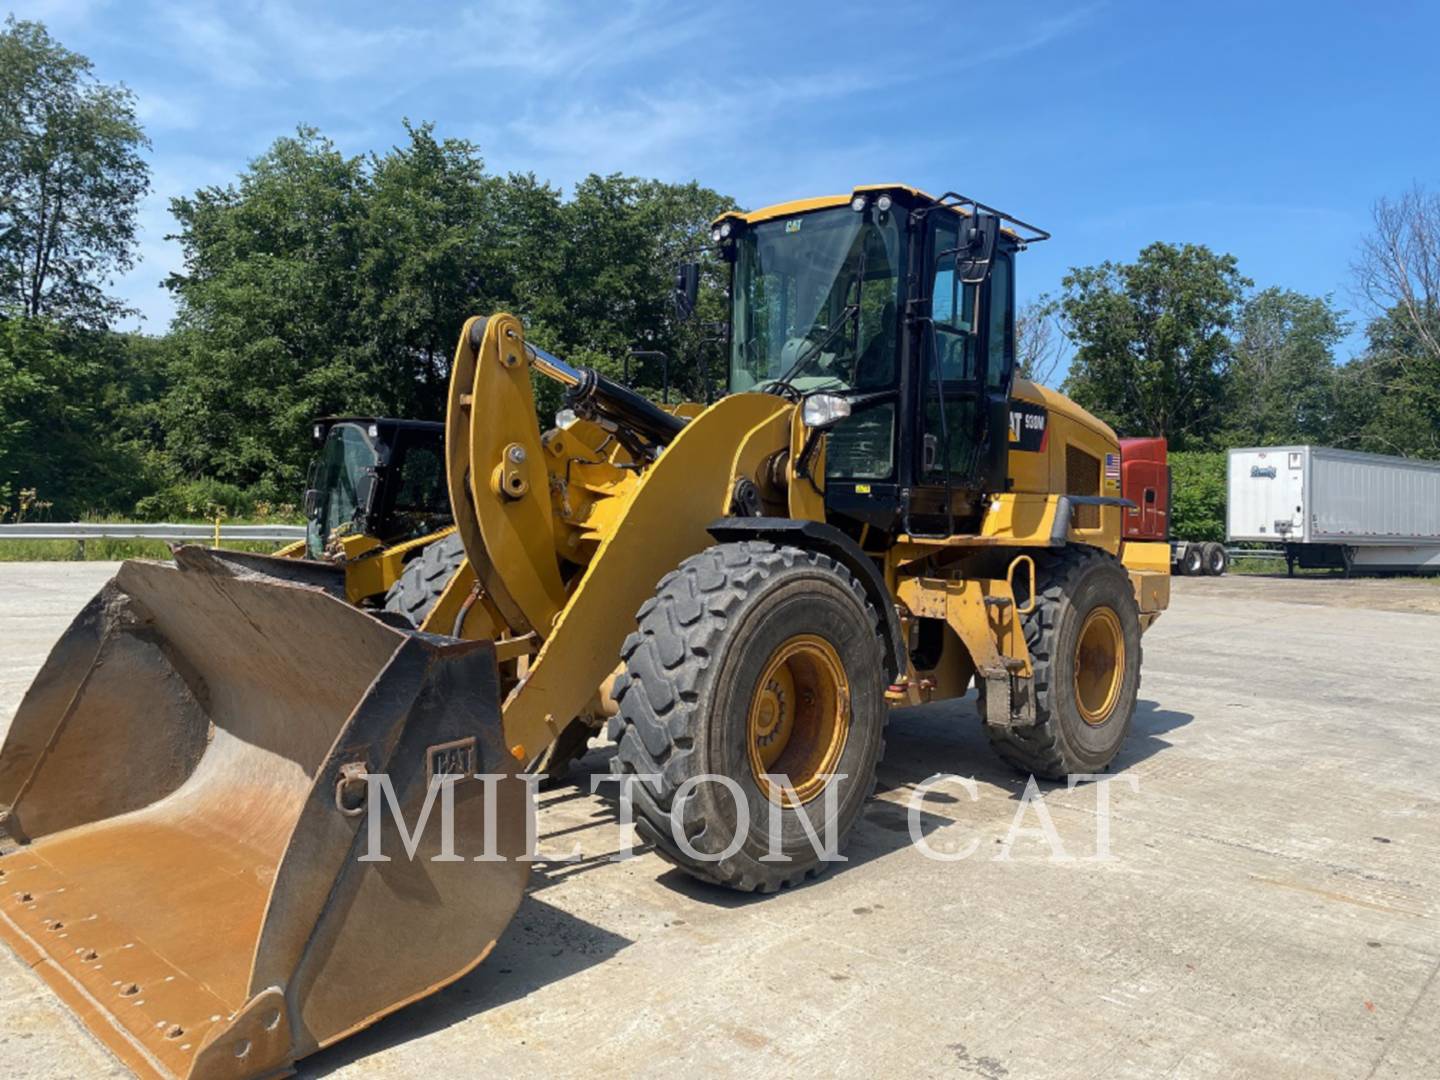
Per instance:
{"type": "Point", "coordinates": [1293, 492]}
{"type": "Point", "coordinates": [1266, 494]}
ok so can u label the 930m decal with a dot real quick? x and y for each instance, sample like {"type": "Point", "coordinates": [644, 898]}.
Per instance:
{"type": "Point", "coordinates": [1029, 426]}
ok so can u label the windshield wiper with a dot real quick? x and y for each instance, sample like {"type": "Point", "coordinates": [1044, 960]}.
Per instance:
{"type": "Point", "coordinates": [850, 312]}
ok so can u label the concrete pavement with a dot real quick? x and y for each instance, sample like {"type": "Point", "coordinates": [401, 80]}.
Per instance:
{"type": "Point", "coordinates": [1272, 907]}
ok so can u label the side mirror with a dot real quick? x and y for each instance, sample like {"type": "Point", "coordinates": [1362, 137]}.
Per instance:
{"type": "Point", "coordinates": [978, 235]}
{"type": "Point", "coordinates": [686, 290]}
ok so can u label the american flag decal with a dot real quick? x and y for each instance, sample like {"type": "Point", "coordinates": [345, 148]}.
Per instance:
{"type": "Point", "coordinates": [1112, 467]}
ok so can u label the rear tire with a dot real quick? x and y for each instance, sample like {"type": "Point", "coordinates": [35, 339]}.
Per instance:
{"type": "Point", "coordinates": [415, 594]}
{"type": "Point", "coordinates": [740, 666]}
{"type": "Point", "coordinates": [1217, 559]}
{"type": "Point", "coordinates": [424, 579]}
{"type": "Point", "coordinates": [1192, 562]}
{"type": "Point", "coordinates": [1084, 602]}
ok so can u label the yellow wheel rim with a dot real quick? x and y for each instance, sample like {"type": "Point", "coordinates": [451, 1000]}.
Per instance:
{"type": "Point", "coordinates": [1099, 665]}
{"type": "Point", "coordinates": [799, 718]}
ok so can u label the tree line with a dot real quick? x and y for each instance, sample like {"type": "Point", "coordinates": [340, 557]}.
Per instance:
{"type": "Point", "coordinates": [319, 283]}
{"type": "Point", "coordinates": [1180, 343]}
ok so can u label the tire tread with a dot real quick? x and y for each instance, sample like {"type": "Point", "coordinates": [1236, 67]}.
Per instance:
{"type": "Point", "coordinates": [1039, 750]}
{"type": "Point", "coordinates": [680, 630]}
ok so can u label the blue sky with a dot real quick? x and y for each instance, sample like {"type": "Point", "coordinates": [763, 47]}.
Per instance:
{"type": "Point", "coordinates": [1264, 130]}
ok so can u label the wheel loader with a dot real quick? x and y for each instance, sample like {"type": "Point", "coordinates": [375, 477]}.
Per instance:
{"type": "Point", "coordinates": [879, 513]}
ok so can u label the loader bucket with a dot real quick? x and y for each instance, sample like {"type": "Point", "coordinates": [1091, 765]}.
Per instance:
{"type": "Point", "coordinates": [181, 856]}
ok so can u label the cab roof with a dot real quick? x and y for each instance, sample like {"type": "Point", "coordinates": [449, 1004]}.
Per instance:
{"type": "Point", "coordinates": [826, 202]}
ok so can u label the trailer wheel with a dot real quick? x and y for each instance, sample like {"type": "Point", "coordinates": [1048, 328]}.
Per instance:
{"type": "Point", "coordinates": [1217, 559]}
{"type": "Point", "coordinates": [751, 661]}
{"type": "Point", "coordinates": [1192, 562]}
{"type": "Point", "coordinates": [1084, 641]}
{"type": "Point", "coordinates": [424, 578]}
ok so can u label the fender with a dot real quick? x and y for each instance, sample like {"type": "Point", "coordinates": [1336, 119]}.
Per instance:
{"type": "Point", "coordinates": [827, 539]}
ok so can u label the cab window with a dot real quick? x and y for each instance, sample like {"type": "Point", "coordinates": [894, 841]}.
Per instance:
{"type": "Point", "coordinates": [1000, 345]}
{"type": "Point", "coordinates": [953, 309]}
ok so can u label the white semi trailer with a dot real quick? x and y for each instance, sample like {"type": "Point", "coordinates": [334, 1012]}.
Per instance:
{"type": "Point", "coordinates": [1336, 508]}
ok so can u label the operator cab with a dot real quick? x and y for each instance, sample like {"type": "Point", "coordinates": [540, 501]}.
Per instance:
{"type": "Point", "coordinates": [375, 477]}
{"type": "Point", "coordinates": [902, 306]}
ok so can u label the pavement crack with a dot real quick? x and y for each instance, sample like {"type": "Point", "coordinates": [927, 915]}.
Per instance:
{"type": "Point", "coordinates": [1404, 1022]}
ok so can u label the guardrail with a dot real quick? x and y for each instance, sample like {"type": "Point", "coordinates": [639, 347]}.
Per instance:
{"type": "Point", "coordinates": [119, 530]}
{"type": "Point", "coordinates": [1255, 553]}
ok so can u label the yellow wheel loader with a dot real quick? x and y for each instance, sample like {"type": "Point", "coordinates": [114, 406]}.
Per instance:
{"type": "Point", "coordinates": [375, 500]}
{"type": "Point", "coordinates": [879, 513]}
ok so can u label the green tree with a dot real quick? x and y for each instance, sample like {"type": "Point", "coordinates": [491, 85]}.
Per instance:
{"type": "Point", "coordinates": [1284, 387]}
{"type": "Point", "coordinates": [72, 402]}
{"type": "Point", "coordinates": [319, 283]}
{"type": "Point", "coordinates": [271, 328]}
{"type": "Point", "coordinates": [429, 261]}
{"type": "Point", "coordinates": [1153, 346]}
{"type": "Point", "coordinates": [22, 350]}
{"type": "Point", "coordinates": [71, 178]}
{"type": "Point", "coordinates": [1392, 392]}
{"type": "Point", "coordinates": [624, 237]}
{"type": "Point", "coordinates": [1197, 485]}
{"type": "Point", "coordinates": [1388, 398]}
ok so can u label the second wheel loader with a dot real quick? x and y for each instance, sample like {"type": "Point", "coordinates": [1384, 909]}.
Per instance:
{"type": "Point", "coordinates": [879, 513]}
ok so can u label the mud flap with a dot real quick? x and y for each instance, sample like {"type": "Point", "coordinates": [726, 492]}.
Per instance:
{"type": "Point", "coordinates": [179, 789]}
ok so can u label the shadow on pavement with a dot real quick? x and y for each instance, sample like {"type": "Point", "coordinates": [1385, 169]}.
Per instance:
{"type": "Point", "coordinates": [947, 737]}
{"type": "Point", "coordinates": [542, 945]}
{"type": "Point", "coordinates": [545, 944]}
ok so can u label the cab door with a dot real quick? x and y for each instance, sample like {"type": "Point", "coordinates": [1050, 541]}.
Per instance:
{"type": "Point", "coordinates": [966, 365]}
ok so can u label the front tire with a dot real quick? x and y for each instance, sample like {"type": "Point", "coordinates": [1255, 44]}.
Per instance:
{"type": "Point", "coordinates": [424, 578]}
{"type": "Point", "coordinates": [1084, 641]}
{"type": "Point", "coordinates": [751, 659]}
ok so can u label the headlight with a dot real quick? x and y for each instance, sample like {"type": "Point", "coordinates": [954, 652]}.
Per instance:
{"type": "Point", "coordinates": [565, 419]}
{"type": "Point", "coordinates": [824, 410]}
{"type": "Point", "coordinates": [883, 203]}
{"type": "Point", "coordinates": [715, 234]}
{"type": "Point", "coordinates": [725, 229]}
{"type": "Point", "coordinates": [857, 203]}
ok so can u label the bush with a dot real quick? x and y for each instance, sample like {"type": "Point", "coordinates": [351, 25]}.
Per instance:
{"type": "Point", "coordinates": [196, 498]}
{"type": "Point", "coordinates": [1197, 507]}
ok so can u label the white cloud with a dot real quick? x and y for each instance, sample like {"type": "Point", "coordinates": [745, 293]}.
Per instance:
{"type": "Point", "coordinates": [671, 133]}
{"type": "Point", "coordinates": [207, 41]}
{"type": "Point", "coordinates": [56, 14]}
{"type": "Point", "coordinates": [562, 42]}
{"type": "Point", "coordinates": [161, 110]}
{"type": "Point", "coordinates": [668, 89]}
